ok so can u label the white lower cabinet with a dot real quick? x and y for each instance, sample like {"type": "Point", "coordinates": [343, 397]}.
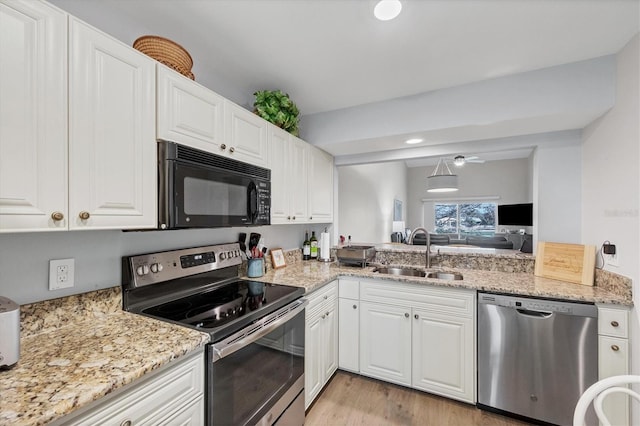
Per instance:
{"type": "Point", "coordinates": [349, 325]}
{"type": "Point", "coordinates": [385, 342]}
{"type": "Point", "coordinates": [170, 397]}
{"type": "Point", "coordinates": [613, 357]}
{"type": "Point", "coordinates": [321, 340]}
{"type": "Point", "coordinates": [415, 335]}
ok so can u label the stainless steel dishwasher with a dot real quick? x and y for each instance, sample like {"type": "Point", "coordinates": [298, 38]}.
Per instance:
{"type": "Point", "coordinates": [535, 357]}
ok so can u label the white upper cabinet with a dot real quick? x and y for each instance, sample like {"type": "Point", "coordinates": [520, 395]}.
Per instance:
{"type": "Point", "coordinates": [112, 149]}
{"type": "Point", "coordinates": [33, 117]}
{"type": "Point", "coordinates": [188, 113]}
{"type": "Point", "coordinates": [289, 159]}
{"type": "Point", "coordinates": [320, 184]}
{"type": "Point", "coordinates": [245, 136]}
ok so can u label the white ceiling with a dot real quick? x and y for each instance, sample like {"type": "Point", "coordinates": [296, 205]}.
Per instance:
{"type": "Point", "coordinates": [332, 54]}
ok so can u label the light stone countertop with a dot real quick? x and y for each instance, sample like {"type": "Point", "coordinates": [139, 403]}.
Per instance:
{"type": "Point", "coordinates": [313, 274]}
{"type": "Point", "coordinates": [98, 349]}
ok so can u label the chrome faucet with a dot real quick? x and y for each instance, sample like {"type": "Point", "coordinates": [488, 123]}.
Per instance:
{"type": "Point", "coordinates": [428, 256]}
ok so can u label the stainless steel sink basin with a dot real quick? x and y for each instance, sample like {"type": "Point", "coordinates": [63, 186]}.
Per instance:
{"type": "Point", "coordinates": [449, 276]}
{"type": "Point", "coordinates": [408, 272]}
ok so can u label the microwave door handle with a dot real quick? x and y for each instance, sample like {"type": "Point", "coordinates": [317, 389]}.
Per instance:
{"type": "Point", "coordinates": [252, 204]}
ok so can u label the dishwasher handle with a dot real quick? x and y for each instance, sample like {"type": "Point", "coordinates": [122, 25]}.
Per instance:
{"type": "Point", "coordinates": [537, 314]}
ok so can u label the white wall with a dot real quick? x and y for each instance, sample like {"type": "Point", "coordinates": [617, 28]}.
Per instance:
{"type": "Point", "coordinates": [507, 179]}
{"type": "Point", "coordinates": [365, 200]}
{"type": "Point", "coordinates": [557, 206]}
{"type": "Point", "coordinates": [24, 258]}
{"type": "Point", "coordinates": [611, 182]}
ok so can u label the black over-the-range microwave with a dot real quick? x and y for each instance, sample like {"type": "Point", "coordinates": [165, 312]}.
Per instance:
{"type": "Point", "coordinates": [197, 189]}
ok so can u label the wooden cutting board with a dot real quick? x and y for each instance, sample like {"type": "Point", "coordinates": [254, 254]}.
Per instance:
{"type": "Point", "coordinates": [574, 263]}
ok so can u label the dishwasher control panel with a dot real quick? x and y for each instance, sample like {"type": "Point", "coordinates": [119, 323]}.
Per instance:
{"type": "Point", "coordinates": [538, 305]}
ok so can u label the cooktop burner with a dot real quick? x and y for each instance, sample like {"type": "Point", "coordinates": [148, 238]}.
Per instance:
{"type": "Point", "coordinates": [222, 305]}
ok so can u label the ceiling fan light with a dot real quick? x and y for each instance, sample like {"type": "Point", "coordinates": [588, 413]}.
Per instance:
{"type": "Point", "coordinates": [442, 183]}
{"type": "Point", "coordinates": [386, 10]}
{"type": "Point", "coordinates": [458, 160]}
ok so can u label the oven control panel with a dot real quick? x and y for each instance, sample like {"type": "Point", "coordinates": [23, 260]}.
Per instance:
{"type": "Point", "coordinates": [159, 267]}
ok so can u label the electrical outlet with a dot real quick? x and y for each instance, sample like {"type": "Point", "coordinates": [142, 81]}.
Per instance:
{"type": "Point", "coordinates": [61, 273]}
{"type": "Point", "coordinates": [611, 259]}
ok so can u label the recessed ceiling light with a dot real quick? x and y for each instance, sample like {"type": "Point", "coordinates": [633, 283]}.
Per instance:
{"type": "Point", "coordinates": [386, 10]}
{"type": "Point", "coordinates": [413, 141]}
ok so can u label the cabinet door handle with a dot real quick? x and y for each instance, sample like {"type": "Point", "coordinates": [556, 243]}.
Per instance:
{"type": "Point", "coordinates": [416, 316]}
{"type": "Point", "coordinates": [232, 149]}
{"type": "Point", "coordinates": [327, 313]}
{"type": "Point", "coordinates": [84, 215]}
{"type": "Point", "coordinates": [614, 323]}
{"type": "Point", "coordinates": [406, 315]}
{"type": "Point", "coordinates": [57, 216]}
{"type": "Point", "coordinates": [223, 147]}
{"type": "Point", "coordinates": [616, 348]}
{"type": "Point", "coordinates": [355, 307]}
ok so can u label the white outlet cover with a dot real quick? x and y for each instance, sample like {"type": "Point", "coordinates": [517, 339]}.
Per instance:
{"type": "Point", "coordinates": [611, 260]}
{"type": "Point", "coordinates": [66, 282]}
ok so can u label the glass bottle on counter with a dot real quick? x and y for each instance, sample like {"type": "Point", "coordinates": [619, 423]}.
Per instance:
{"type": "Point", "coordinates": [314, 246]}
{"type": "Point", "coordinates": [306, 247]}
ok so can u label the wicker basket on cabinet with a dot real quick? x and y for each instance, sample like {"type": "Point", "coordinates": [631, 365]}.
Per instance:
{"type": "Point", "coordinates": [166, 52]}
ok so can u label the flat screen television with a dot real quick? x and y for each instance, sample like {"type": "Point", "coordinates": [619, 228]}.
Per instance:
{"type": "Point", "coordinates": [515, 214]}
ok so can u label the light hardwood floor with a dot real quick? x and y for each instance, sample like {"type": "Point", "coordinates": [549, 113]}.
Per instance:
{"type": "Point", "coordinates": [350, 399]}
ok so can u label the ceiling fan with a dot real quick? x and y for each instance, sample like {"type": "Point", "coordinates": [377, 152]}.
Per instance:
{"type": "Point", "coordinates": [461, 160]}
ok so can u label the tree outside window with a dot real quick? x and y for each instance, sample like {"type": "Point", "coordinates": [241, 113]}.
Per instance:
{"type": "Point", "coordinates": [466, 219]}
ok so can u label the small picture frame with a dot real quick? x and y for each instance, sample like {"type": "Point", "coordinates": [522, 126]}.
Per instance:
{"type": "Point", "coordinates": [277, 258]}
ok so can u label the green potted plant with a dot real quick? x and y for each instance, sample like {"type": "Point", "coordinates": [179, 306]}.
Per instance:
{"type": "Point", "coordinates": [276, 107]}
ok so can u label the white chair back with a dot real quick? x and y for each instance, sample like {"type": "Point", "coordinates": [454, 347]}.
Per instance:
{"type": "Point", "coordinates": [598, 391]}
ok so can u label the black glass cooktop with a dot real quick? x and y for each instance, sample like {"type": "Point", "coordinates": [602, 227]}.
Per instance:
{"type": "Point", "coordinates": [227, 308]}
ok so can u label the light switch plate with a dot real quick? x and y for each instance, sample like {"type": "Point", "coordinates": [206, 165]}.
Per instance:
{"type": "Point", "coordinates": [61, 273]}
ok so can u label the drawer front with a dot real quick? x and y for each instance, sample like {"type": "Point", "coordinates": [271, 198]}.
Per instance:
{"type": "Point", "coordinates": [153, 400]}
{"type": "Point", "coordinates": [327, 293]}
{"type": "Point", "coordinates": [349, 289]}
{"type": "Point", "coordinates": [459, 302]}
{"type": "Point", "coordinates": [613, 322]}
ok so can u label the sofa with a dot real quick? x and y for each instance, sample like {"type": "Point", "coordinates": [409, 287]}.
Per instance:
{"type": "Point", "coordinates": [496, 242]}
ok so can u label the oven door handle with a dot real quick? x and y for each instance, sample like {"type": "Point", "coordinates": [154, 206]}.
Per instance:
{"type": "Point", "coordinates": [257, 330]}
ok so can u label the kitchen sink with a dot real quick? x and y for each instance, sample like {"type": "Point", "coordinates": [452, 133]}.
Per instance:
{"type": "Point", "coordinates": [449, 276]}
{"type": "Point", "coordinates": [401, 271]}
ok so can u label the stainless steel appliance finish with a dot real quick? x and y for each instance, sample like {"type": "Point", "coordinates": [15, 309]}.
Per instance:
{"type": "Point", "coordinates": [535, 357]}
{"type": "Point", "coordinates": [255, 361]}
{"type": "Point", "coordinates": [356, 255]}
{"type": "Point", "coordinates": [197, 189]}
{"type": "Point", "coordinates": [9, 333]}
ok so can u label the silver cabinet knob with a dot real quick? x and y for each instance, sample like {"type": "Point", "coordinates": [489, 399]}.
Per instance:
{"type": "Point", "coordinates": [323, 317]}
{"type": "Point", "coordinates": [310, 217]}
{"type": "Point", "coordinates": [325, 297]}
{"type": "Point", "coordinates": [615, 348]}
{"type": "Point", "coordinates": [288, 217]}
{"type": "Point", "coordinates": [84, 215]}
{"type": "Point", "coordinates": [614, 323]}
{"type": "Point", "coordinates": [232, 149]}
{"type": "Point", "coordinates": [416, 316]}
{"type": "Point", "coordinates": [223, 147]}
{"type": "Point", "coordinates": [126, 423]}
{"type": "Point", "coordinates": [406, 315]}
{"type": "Point", "coordinates": [327, 314]}
{"type": "Point", "coordinates": [57, 216]}
{"type": "Point", "coordinates": [294, 218]}
{"type": "Point", "coordinates": [355, 307]}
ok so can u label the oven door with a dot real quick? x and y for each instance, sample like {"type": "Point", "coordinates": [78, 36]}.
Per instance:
{"type": "Point", "coordinates": [206, 197]}
{"type": "Point", "coordinates": [256, 376]}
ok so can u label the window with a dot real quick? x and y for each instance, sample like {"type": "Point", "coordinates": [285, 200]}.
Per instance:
{"type": "Point", "coordinates": [465, 219]}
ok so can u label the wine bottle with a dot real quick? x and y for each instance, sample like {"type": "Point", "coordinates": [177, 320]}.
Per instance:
{"type": "Point", "coordinates": [306, 247]}
{"type": "Point", "coordinates": [314, 245]}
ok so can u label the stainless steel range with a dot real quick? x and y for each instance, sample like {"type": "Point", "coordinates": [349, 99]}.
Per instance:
{"type": "Point", "coordinates": [255, 361]}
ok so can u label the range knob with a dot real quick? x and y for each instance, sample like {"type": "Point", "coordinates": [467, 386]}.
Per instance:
{"type": "Point", "coordinates": [223, 256]}
{"type": "Point", "coordinates": [142, 270]}
{"type": "Point", "coordinates": [156, 267]}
